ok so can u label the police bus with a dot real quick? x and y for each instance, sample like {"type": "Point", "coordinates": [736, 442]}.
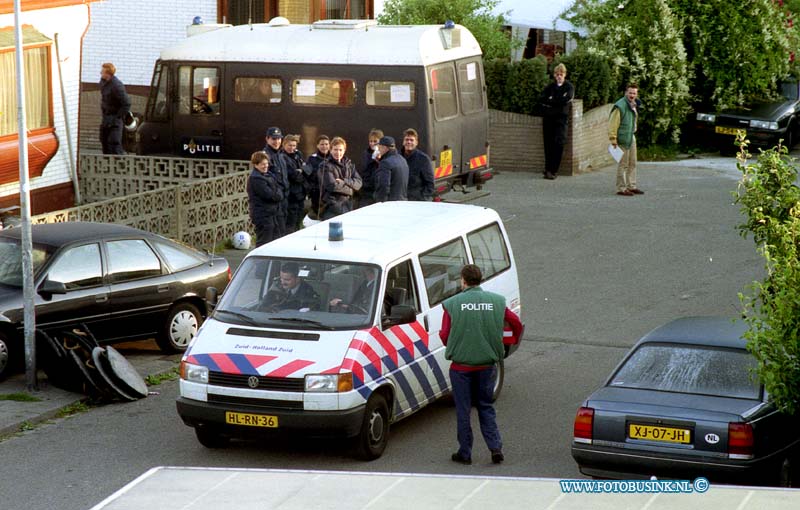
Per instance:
{"type": "Point", "coordinates": [215, 93]}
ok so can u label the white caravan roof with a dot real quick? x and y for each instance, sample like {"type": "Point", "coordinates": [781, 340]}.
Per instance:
{"type": "Point", "coordinates": [326, 42]}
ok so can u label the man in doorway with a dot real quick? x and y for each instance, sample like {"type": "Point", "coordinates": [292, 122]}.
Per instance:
{"type": "Point", "coordinates": [472, 330]}
{"type": "Point", "coordinates": [114, 104]}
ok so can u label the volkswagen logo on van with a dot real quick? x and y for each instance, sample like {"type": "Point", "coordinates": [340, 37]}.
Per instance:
{"type": "Point", "coordinates": [252, 381]}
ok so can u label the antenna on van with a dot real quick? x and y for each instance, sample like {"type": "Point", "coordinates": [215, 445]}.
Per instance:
{"type": "Point", "coordinates": [250, 14]}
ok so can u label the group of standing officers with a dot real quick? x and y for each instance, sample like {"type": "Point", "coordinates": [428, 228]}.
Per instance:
{"type": "Point", "coordinates": [281, 179]}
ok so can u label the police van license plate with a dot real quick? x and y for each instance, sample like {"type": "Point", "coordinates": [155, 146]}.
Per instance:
{"type": "Point", "coordinates": [251, 420]}
{"type": "Point", "coordinates": [653, 433]}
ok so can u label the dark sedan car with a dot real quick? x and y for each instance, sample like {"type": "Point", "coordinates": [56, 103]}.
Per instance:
{"type": "Point", "coordinates": [682, 404]}
{"type": "Point", "coordinates": [123, 283]}
{"type": "Point", "coordinates": [765, 122]}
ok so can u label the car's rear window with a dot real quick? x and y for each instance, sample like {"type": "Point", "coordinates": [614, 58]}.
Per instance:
{"type": "Point", "coordinates": [690, 369]}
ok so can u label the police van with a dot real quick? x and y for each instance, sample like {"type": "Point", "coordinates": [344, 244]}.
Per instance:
{"type": "Point", "coordinates": [334, 329]}
{"type": "Point", "coordinates": [215, 93]}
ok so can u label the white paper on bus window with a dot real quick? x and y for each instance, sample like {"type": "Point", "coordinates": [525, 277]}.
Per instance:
{"type": "Point", "coordinates": [400, 93]}
{"type": "Point", "coordinates": [306, 87]}
{"type": "Point", "coordinates": [471, 74]}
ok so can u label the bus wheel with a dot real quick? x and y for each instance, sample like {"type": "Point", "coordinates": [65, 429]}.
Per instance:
{"type": "Point", "coordinates": [374, 435]}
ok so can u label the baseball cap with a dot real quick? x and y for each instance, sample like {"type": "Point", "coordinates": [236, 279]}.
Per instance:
{"type": "Point", "coordinates": [274, 132]}
{"type": "Point", "coordinates": [388, 141]}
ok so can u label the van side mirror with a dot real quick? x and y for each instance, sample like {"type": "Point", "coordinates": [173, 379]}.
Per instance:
{"type": "Point", "coordinates": [50, 287]}
{"type": "Point", "coordinates": [400, 314]}
{"type": "Point", "coordinates": [212, 296]}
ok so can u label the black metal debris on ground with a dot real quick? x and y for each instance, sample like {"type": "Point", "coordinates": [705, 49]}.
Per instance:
{"type": "Point", "coordinates": [74, 361]}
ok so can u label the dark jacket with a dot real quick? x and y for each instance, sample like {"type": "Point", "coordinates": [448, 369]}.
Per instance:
{"type": "Point", "coordinates": [420, 176]}
{"type": "Point", "coordinates": [297, 179]}
{"type": "Point", "coordinates": [114, 101]}
{"type": "Point", "coordinates": [304, 297]}
{"type": "Point", "coordinates": [277, 164]}
{"type": "Point", "coordinates": [313, 178]}
{"type": "Point", "coordinates": [337, 197]}
{"type": "Point", "coordinates": [368, 173]}
{"type": "Point", "coordinates": [555, 100]}
{"type": "Point", "coordinates": [264, 196]}
{"type": "Point", "coordinates": [391, 178]}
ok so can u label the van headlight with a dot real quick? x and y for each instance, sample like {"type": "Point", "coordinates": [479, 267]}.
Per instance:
{"type": "Point", "coordinates": [329, 383]}
{"type": "Point", "coordinates": [764, 124]}
{"type": "Point", "coordinates": [194, 373]}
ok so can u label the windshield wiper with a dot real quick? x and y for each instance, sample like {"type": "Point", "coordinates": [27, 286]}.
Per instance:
{"type": "Point", "coordinates": [246, 318]}
{"type": "Point", "coordinates": [301, 320]}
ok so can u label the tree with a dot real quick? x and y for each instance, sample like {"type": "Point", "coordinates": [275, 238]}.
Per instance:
{"type": "Point", "coordinates": [770, 200]}
{"type": "Point", "coordinates": [737, 50]}
{"type": "Point", "coordinates": [476, 15]}
{"type": "Point", "coordinates": [644, 42]}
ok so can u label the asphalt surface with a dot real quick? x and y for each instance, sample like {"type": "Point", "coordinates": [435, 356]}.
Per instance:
{"type": "Point", "coordinates": [645, 259]}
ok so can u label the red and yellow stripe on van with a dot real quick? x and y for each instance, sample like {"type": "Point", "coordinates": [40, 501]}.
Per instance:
{"type": "Point", "coordinates": [477, 162]}
{"type": "Point", "coordinates": [445, 167]}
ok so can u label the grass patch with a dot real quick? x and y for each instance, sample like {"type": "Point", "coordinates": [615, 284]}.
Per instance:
{"type": "Point", "coordinates": [19, 397]}
{"type": "Point", "coordinates": [77, 407]}
{"type": "Point", "coordinates": [658, 153]}
{"type": "Point", "coordinates": [155, 380]}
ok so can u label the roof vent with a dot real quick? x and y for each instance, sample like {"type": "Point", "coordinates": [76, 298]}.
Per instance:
{"type": "Point", "coordinates": [344, 24]}
{"type": "Point", "coordinates": [279, 21]}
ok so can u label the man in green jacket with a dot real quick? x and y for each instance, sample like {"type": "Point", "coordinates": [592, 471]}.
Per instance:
{"type": "Point", "coordinates": [622, 124]}
{"type": "Point", "coordinates": [472, 330]}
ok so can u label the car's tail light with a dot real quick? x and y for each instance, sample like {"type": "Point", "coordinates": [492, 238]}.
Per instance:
{"type": "Point", "coordinates": [740, 441]}
{"type": "Point", "coordinates": [584, 421]}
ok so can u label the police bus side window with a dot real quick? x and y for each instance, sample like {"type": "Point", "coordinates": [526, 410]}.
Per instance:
{"type": "Point", "coordinates": [441, 269]}
{"type": "Point", "coordinates": [489, 250]}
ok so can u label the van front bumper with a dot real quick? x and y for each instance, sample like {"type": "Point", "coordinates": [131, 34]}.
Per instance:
{"type": "Point", "coordinates": [344, 423]}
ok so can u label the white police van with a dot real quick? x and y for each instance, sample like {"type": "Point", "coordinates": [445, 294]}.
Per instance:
{"type": "Point", "coordinates": [356, 346]}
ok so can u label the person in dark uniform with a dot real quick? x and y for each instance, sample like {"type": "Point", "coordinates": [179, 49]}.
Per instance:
{"type": "Point", "coordinates": [313, 177]}
{"type": "Point", "coordinates": [420, 168]}
{"type": "Point", "coordinates": [555, 100]}
{"type": "Point", "coordinates": [264, 197]}
{"type": "Point", "coordinates": [114, 104]}
{"type": "Point", "coordinates": [362, 297]}
{"type": "Point", "coordinates": [472, 330]}
{"type": "Point", "coordinates": [339, 181]}
{"type": "Point", "coordinates": [292, 293]}
{"type": "Point", "coordinates": [367, 172]}
{"type": "Point", "coordinates": [293, 159]}
{"type": "Point", "coordinates": [391, 178]}
{"type": "Point", "coordinates": [277, 165]}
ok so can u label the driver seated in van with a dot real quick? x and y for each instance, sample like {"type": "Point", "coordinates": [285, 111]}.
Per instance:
{"type": "Point", "coordinates": [291, 292]}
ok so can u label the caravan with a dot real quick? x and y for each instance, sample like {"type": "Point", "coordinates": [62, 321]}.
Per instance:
{"type": "Point", "coordinates": [214, 94]}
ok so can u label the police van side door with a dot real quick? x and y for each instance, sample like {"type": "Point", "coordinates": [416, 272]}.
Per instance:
{"type": "Point", "coordinates": [199, 119]}
{"type": "Point", "coordinates": [441, 278]}
{"type": "Point", "coordinates": [154, 136]}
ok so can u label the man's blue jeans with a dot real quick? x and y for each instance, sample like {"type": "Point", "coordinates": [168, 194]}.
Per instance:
{"type": "Point", "coordinates": [475, 389]}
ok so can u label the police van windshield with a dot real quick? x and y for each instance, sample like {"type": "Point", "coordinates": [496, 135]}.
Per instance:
{"type": "Point", "coordinates": [300, 294]}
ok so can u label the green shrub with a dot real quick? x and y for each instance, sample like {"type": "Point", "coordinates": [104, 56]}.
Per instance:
{"type": "Point", "coordinates": [496, 71]}
{"type": "Point", "coordinates": [525, 82]}
{"type": "Point", "coordinates": [590, 74]}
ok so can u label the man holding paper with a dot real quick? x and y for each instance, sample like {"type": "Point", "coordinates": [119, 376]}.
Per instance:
{"type": "Point", "coordinates": [622, 125]}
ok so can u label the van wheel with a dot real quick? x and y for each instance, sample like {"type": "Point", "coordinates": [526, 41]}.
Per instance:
{"type": "Point", "coordinates": [183, 321]}
{"type": "Point", "coordinates": [374, 435]}
{"type": "Point", "coordinates": [500, 375]}
{"type": "Point", "coordinates": [210, 437]}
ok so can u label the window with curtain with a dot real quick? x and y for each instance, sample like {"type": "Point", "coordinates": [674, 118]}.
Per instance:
{"type": "Point", "coordinates": [38, 99]}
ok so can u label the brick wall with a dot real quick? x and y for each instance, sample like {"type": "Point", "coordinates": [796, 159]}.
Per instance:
{"type": "Point", "coordinates": [517, 144]}
{"type": "Point", "coordinates": [131, 34]}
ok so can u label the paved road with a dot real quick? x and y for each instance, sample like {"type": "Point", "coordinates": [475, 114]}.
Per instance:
{"type": "Point", "coordinates": [598, 271]}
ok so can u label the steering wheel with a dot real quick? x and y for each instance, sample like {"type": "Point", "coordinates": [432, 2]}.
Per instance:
{"type": "Point", "coordinates": [200, 106]}
{"type": "Point", "coordinates": [357, 309]}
